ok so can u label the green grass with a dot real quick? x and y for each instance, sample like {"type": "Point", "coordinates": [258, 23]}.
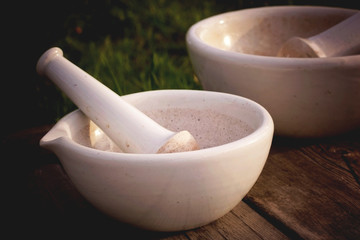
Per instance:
{"type": "Point", "coordinates": [144, 50]}
{"type": "Point", "coordinates": [129, 45]}
{"type": "Point", "coordinates": [134, 46]}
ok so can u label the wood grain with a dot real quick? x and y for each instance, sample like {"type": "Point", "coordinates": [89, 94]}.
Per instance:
{"type": "Point", "coordinates": [309, 189]}
{"type": "Point", "coordinates": [312, 188]}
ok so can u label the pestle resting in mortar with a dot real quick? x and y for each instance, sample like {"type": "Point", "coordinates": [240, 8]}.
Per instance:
{"type": "Point", "coordinates": [340, 40]}
{"type": "Point", "coordinates": [130, 129]}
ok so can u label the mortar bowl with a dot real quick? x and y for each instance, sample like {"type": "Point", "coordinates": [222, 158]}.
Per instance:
{"type": "Point", "coordinates": [235, 52]}
{"type": "Point", "coordinates": [173, 191]}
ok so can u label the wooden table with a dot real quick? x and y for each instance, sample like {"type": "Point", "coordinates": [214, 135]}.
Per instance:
{"type": "Point", "coordinates": [309, 189]}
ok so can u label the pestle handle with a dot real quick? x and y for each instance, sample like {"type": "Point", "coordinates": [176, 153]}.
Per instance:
{"type": "Point", "coordinates": [125, 125]}
{"type": "Point", "coordinates": [340, 40]}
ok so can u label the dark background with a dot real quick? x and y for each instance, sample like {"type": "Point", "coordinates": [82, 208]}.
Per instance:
{"type": "Point", "coordinates": [31, 27]}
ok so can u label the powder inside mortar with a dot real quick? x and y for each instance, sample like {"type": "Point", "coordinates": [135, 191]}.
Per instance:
{"type": "Point", "coordinates": [208, 127]}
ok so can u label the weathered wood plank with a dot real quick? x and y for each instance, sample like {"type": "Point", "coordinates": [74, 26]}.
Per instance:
{"type": "Point", "coordinates": [308, 189]}
{"type": "Point", "coordinates": [257, 223]}
{"type": "Point", "coordinates": [241, 223]}
{"type": "Point", "coordinates": [312, 187]}
{"type": "Point", "coordinates": [50, 202]}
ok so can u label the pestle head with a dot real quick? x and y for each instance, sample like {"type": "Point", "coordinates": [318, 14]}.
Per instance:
{"type": "Point", "coordinates": [181, 142]}
{"type": "Point", "coordinates": [299, 48]}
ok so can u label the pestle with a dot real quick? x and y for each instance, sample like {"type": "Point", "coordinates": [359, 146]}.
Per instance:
{"type": "Point", "coordinates": [340, 40]}
{"type": "Point", "coordinates": [129, 128]}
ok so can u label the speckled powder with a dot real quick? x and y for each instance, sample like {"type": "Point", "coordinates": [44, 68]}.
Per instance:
{"type": "Point", "coordinates": [208, 127]}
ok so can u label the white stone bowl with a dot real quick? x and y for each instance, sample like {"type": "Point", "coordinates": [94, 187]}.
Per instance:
{"type": "Point", "coordinates": [176, 191]}
{"type": "Point", "coordinates": [234, 52]}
